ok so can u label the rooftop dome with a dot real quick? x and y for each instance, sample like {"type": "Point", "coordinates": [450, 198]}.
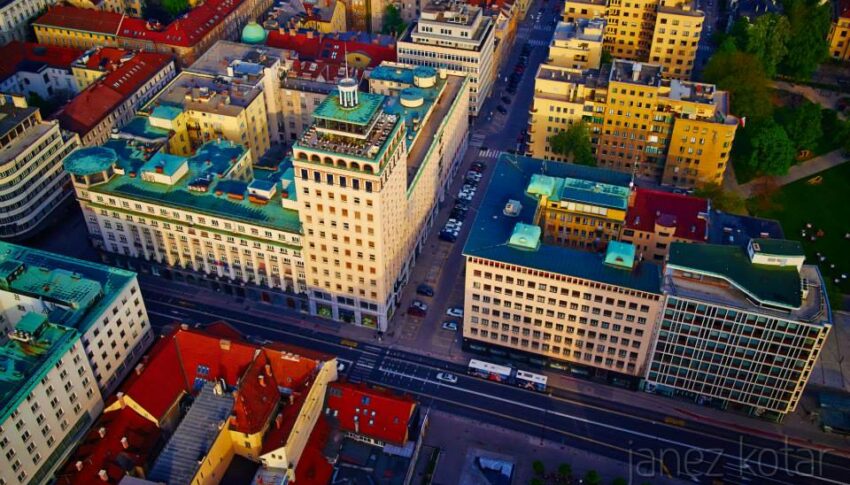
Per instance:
{"type": "Point", "coordinates": [253, 33]}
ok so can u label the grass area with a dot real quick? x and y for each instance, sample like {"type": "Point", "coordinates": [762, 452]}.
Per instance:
{"type": "Point", "coordinates": [824, 206]}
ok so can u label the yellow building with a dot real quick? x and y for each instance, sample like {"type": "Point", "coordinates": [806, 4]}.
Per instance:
{"type": "Point", "coordinates": [568, 308]}
{"type": "Point", "coordinates": [578, 44]}
{"type": "Point", "coordinates": [674, 44]}
{"type": "Point", "coordinates": [839, 32]}
{"type": "Point", "coordinates": [584, 9]}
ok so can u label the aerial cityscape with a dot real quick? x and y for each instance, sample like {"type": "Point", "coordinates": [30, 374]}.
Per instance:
{"type": "Point", "coordinates": [424, 242]}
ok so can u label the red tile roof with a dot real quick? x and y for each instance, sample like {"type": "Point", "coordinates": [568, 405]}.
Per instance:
{"type": "Point", "coordinates": [313, 467]}
{"type": "Point", "coordinates": [332, 47]}
{"type": "Point", "coordinates": [15, 52]}
{"type": "Point", "coordinates": [380, 415]}
{"type": "Point", "coordinates": [256, 398]}
{"type": "Point", "coordinates": [322, 71]}
{"type": "Point", "coordinates": [105, 95]}
{"type": "Point", "coordinates": [82, 19]}
{"type": "Point", "coordinates": [109, 453]}
{"type": "Point", "coordinates": [103, 58]}
{"type": "Point", "coordinates": [685, 213]}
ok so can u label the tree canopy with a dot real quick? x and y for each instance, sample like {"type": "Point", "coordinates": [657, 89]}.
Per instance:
{"type": "Point", "coordinates": [802, 124]}
{"type": "Point", "coordinates": [767, 148]}
{"type": "Point", "coordinates": [393, 23]}
{"type": "Point", "coordinates": [809, 23]}
{"type": "Point", "coordinates": [742, 75]}
{"type": "Point", "coordinates": [574, 142]}
{"type": "Point", "coordinates": [766, 39]}
{"type": "Point", "coordinates": [721, 199]}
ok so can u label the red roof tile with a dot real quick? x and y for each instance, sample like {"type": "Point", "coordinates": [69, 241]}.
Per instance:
{"type": "Point", "coordinates": [185, 31]}
{"type": "Point", "coordinates": [108, 453]}
{"type": "Point", "coordinates": [313, 467]}
{"type": "Point", "coordinates": [256, 398]}
{"type": "Point", "coordinates": [332, 47]}
{"type": "Point", "coordinates": [685, 213]}
{"type": "Point", "coordinates": [81, 19]}
{"type": "Point", "coordinates": [380, 415]}
{"type": "Point", "coordinates": [15, 52]}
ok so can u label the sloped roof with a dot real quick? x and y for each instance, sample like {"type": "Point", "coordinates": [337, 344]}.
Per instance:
{"type": "Point", "coordinates": [82, 19]}
{"type": "Point", "coordinates": [685, 214]}
{"type": "Point", "coordinates": [14, 53]}
{"type": "Point", "coordinates": [332, 47]}
{"type": "Point", "coordinates": [379, 415]}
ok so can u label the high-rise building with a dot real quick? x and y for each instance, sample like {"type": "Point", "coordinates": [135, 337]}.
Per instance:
{"type": "Point", "coordinates": [456, 37]}
{"type": "Point", "coordinates": [369, 174]}
{"type": "Point", "coordinates": [742, 328]}
{"type": "Point", "coordinates": [72, 330]}
{"type": "Point", "coordinates": [663, 32]}
{"type": "Point", "coordinates": [593, 313]}
{"type": "Point", "coordinates": [33, 182]}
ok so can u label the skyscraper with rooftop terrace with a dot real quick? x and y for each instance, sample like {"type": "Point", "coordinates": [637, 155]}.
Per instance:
{"type": "Point", "coordinates": [370, 172]}
{"type": "Point", "coordinates": [71, 331]}
{"type": "Point", "coordinates": [742, 326]}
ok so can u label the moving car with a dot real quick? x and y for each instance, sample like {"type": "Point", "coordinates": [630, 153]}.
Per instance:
{"type": "Point", "coordinates": [446, 377]}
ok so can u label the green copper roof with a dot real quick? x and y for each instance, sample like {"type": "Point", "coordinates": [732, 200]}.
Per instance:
{"type": "Point", "coordinates": [90, 160]}
{"type": "Point", "coordinates": [253, 33]}
{"type": "Point", "coordinates": [778, 247]}
{"type": "Point", "coordinates": [169, 163]}
{"type": "Point", "coordinates": [620, 254]}
{"type": "Point", "coordinates": [140, 127]}
{"type": "Point", "coordinates": [774, 285]}
{"type": "Point", "coordinates": [166, 112]}
{"type": "Point", "coordinates": [613, 194]}
{"type": "Point", "coordinates": [362, 114]}
{"type": "Point", "coordinates": [525, 236]}
{"type": "Point", "coordinates": [491, 232]}
{"type": "Point", "coordinates": [542, 185]}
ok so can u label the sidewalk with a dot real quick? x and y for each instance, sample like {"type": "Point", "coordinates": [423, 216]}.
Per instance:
{"type": "Point", "coordinates": [825, 98]}
{"type": "Point", "coordinates": [796, 172]}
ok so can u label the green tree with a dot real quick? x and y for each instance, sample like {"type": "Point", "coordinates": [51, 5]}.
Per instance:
{"type": "Point", "coordinates": [393, 23]}
{"type": "Point", "coordinates": [538, 467]}
{"type": "Point", "coordinates": [766, 39]}
{"type": "Point", "coordinates": [565, 470]}
{"type": "Point", "coordinates": [741, 74]}
{"type": "Point", "coordinates": [767, 148]}
{"type": "Point", "coordinates": [574, 142]}
{"type": "Point", "coordinates": [592, 478]}
{"type": "Point", "coordinates": [536, 481]}
{"type": "Point", "coordinates": [802, 124]}
{"type": "Point", "coordinates": [175, 7]}
{"type": "Point", "coordinates": [809, 22]}
{"type": "Point", "coordinates": [606, 57]}
{"type": "Point", "coordinates": [721, 199]}
{"type": "Point", "coordinates": [620, 481]}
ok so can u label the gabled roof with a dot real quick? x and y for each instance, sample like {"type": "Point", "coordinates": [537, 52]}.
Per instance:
{"type": "Point", "coordinates": [685, 215]}
{"type": "Point", "coordinates": [15, 53]}
{"type": "Point", "coordinates": [370, 412]}
{"type": "Point", "coordinates": [332, 47]}
{"type": "Point", "coordinates": [187, 30]}
{"type": "Point", "coordinates": [81, 19]}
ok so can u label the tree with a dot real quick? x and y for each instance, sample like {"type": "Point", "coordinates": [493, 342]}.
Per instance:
{"type": "Point", "coordinates": [565, 470]}
{"type": "Point", "coordinates": [766, 39]}
{"type": "Point", "coordinates": [802, 124]}
{"type": "Point", "coordinates": [393, 23]}
{"type": "Point", "coordinates": [536, 481]}
{"type": "Point", "coordinates": [574, 143]}
{"type": "Point", "coordinates": [721, 199]}
{"type": "Point", "coordinates": [175, 7]}
{"type": "Point", "coordinates": [620, 481]}
{"type": "Point", "coordinates": [741, 74]}
{"type": "Point", "coordinates": [592, 478]}
{"type": "Point", "coordinates": [767, 148]}
{"type": "Point", "coordinates": [538, 467]}
{"type": "Point", "coordinates": [809, 22]}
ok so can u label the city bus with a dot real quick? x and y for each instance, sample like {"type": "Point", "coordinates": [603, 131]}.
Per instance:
{"type": "Point", "coordinates": [529, 380]}
{"type": "Point", "coordinates": [492, 372]}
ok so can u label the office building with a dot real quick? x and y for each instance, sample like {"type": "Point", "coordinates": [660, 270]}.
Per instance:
{"type": "Point", "coordinates": [32, 181]}
{"type": "Point", "coordinates": [742, 328]}
{"type": "Point", "coordinates": [112, 100]}
{"type": "Point", "coordinates": [456, 37]}
{"type": "Point", "coordinates": [839, 31]}
{"type": "Point", "coordinates": [593, 313]}
{"type": "Point", "coordinates": [370, 172]}
{"type": "Point", "coordinates": [656, 219]}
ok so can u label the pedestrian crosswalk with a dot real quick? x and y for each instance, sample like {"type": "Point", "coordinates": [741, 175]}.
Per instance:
{"type": "Point", "coordinates": [364, 367]}
{"type": "Point", "coordinates": [489, 153]}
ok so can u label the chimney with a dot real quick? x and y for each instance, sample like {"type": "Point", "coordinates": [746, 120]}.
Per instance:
{"type": "Point", "coordinates": [78, 465]}
{"type": "Point", "coordinates": [124, 442]}
{"type": "Point", "coordinates": [278, 420]}
{"type": "Point", "coordinates": [262, 379]}
{"type": "Point", "coordinates": [103, 476]}
{"type": "Point", "coordinates": [101, 432]}
{"type": "Point", "coordinates": [268, 370]}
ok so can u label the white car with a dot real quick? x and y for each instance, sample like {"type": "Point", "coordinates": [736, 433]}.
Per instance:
{"type": "Point", "coordinates": [446, 377]}
{"type": "Point", "coordinates": [455, 312]}
{"type": "Point", "coordinates": [472, 174]}
{"type": "Point", "coordinates": [450, 325]}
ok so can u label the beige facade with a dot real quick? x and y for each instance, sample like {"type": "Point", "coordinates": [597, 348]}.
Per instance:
{"type": "Point", "coordinates": [577, 45]}
{"type": "Point", "coordinates": [456, 37]}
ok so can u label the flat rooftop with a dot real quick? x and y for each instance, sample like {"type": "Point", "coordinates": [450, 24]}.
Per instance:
{"type": "Point", "coordinates": [733, 280]}
{"type": "Point", "coordinates": [205, 188]}
{"type": "Point", "coordinates": [239, 57]}
{"type": "Point", "coordinates": [590, 30]}
{"type": "Point", "coordinates": [633, 72]}
{"type": "Point", "coordinates": [24, 141]}
{"type": "Point", "coordinates": [725, 228]}
{"type": "Point", "coordinates": [206, 93]}
{"type": "Point", "coordinates": [493, 232]}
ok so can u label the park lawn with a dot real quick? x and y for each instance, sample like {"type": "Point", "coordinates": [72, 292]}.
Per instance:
{"type": "Point", "coordinates": [827, 207]}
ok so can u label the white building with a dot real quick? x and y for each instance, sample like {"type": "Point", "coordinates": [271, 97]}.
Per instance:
{"type": "Point", "coordinates": [456, 37]}
{"type": "Point", "coordinates": [15, 16]}
{"type": "Point", "coordinates": [32, 182]}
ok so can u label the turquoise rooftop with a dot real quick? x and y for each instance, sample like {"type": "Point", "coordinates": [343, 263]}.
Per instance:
{"type": "Point", "coordinates": [213, 192]}
{"type": "Point", "coordinates": [612, 194]}
{"type": "Point", "coordinates": [166, 112]}
{"type": "Point", "coordinates": [367, 107]}
{"type": "Point", "coordinates": [401, 75]}
{"type": "Point", "coordinates": [89, 161]}
{"type": "Point", "coordinates": [620, 254]}
{"type": "Point", "coordinates": [140, 127]}
{"type": "Point", "coordinates": [169, 163]}
{"type": "Point", "coordinates": [492, 230]}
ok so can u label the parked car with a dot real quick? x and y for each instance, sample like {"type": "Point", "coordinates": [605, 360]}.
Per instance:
{"type": "Point", "coordinates": [450, 325]}
{"type": "Point", "coordinates": [447, 236]}
{"type": "Point", "coordinates": [472, 174]}
{"type": "Point", "coordinates": [446, 377]}
{"type": "Point", "coordinates": [415, 312]}
{"type": "Point", "coordinates": [479, 166]}
{"type": "Point", "coordinates": [455, 312]}
{"type": "Point", "coordinates": [458, 215]}
{"type": "Point", "coordinates": [506, 99]}
{"type": "Point", "coordinates": [420, 304]}
{"type": "Point", "coordinates": [424, 290]}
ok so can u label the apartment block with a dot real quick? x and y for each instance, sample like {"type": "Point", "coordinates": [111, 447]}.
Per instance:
{"type": "Point", "coordinates": [370, 172]}
{"type": "Point", "coordinates": [31, 69]}
{"type": "Point", "coordinates": [112, 100]}
{"type": "Point", "coordinates": [321, 16]}
{"type": "Point", "coordinates": [32, 181]}
{"type": "Point", "coordinates": [656, 219]}
{"type": "Point", "coordinates": [663, 32]}
{"type": "Point", "coordinates": [742, 328]}
{"type": "Point", "coordinates": [839, 31]}
{"type": "Point", "coordinates": [456, 37]}
{"type": "Point", "coordinates": [577, 45]}
{"type": "Point", "coordinates": [592, 313]}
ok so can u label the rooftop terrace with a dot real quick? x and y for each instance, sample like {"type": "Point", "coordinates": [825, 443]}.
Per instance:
{"type": "Point", "coordinates": [206, 187]}
{"type": "Point", "coordinates": [234, 59]}
{"type": "Point", "coordinates": [635, 73]}
{"type": "Point", "coordinates": [205, 93]}
{"type": "Point", "coordinates": [491, 232]}
{"type": "Point", "coordinates": [733, 280]}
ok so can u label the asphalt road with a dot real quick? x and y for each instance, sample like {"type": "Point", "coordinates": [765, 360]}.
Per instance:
{"type": "Point", "coordinates": [693, 451]}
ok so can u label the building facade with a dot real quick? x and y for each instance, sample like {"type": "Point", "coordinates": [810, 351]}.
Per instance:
{"type": "Point", "coordinates": [839, 31]}
{"type": "Point", "coordinates": [32, 181]}
{"type": "Point", "coordinates": [591, 313]}
{"type": "Point", "coordinates": [577, 45]}
{"type": "Point", "coordinates": [454, 37]}
{"type": "Point", "coordinates": [742, 327]}
{"type": "Point", "coordinates": [30, 69]}
{"type": "Point", "coordinates": [15, 16]}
